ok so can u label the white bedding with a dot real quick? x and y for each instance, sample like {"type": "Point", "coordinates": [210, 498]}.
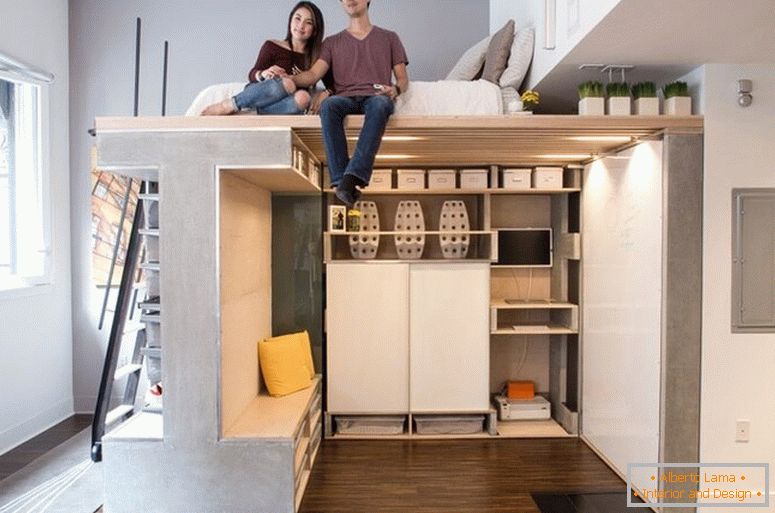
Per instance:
{"type": "Point", "coordinates": [442, 98]}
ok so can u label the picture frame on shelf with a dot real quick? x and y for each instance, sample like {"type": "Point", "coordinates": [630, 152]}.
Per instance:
{"type": "Point", "coordinates": [337, 216]}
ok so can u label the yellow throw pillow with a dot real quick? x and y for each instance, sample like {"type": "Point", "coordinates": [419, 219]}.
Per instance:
{"type": "Point", "coordinates": [286, 363]}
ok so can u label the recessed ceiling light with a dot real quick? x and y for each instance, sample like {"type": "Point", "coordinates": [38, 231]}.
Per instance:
{"type": "Point", "coordinates": [402, 138]}
{"type": "Point", "coordinates": [565, 156]}
{"type": "Point", "coordinates": [388, 156]}
{"type": "Point", "coordinates": [601, 138]}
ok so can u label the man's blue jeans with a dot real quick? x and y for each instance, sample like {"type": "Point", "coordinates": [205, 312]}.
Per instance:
{"type": "Point", "coordinates": [267, 97]}
{"type": "Point", "coordinates": [332, 113]}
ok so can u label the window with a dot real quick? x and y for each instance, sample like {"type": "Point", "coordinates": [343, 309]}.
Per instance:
{"type": "Point", "coordinates": [25, 253]}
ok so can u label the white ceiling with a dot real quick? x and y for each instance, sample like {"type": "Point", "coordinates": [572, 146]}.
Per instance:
{"type": "Point", "coordinates": [665, 39]}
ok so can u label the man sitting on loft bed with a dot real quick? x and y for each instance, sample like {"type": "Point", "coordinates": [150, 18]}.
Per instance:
{"type": "Point", "coordinates": [361, 58]}
{"type": "Point", "coordinates": [484, 82]}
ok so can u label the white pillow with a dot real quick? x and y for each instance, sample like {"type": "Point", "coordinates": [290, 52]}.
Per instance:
{"type": "Point", "coordinates": [519, 60]}
{"type": "Point", "coordinates": [213, 94]}
{"type": "Point", "coordinates": [509, 95]}
{"type": "Point", "coordinates": [471, 62]}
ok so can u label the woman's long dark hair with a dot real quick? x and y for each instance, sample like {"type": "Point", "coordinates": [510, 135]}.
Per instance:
{"type": "Point", "coordinates": [315, 42]}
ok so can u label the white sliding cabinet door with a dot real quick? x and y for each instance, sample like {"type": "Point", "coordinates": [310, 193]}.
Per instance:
{"type": "Point", "coordinates": [622, 298]}
{"type": "Point", "coordinates": [449, 337]}
{"type": "Point", "coordinates": [367, 320]}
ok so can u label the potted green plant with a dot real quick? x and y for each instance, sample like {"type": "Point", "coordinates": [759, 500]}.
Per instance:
{"type": "Point", "coordinates": [677, 99]}
{"type": "Point", "coordinates": [618, 99]}
{"type": "Point", "coordinates": [646, 101]}
{"type": "Point", "coordinates": [591, 102]}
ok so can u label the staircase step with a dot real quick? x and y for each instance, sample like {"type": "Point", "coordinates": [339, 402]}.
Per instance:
{"type": "Point", "coordinates": [133, 328]}
{"type": "Point", "coordinates": [152, 305]}
{"type": "Point", "coordinates": [126, 370]}
{"type": "Point", "coordinates": [150, 317]}
{"type": "Point", "coordinates": [152, 352]}
{"type": "Point", "coordinates": [152, 408]}
{"type": "Point", "coordinates": [118, 413]}
{"type": "Point", "coordinates": [150, 266]}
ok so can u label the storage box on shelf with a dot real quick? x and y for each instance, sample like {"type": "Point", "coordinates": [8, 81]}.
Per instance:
{"type": "Point", "coordinates": [517, 178]}
{"type": "Point", "coordinates": [473, 179]}
{"type": "Point", "coordinates": [411, 179]}
{"type": "Point", "coordinates": [442, 179]}
{"type": "Point", "coordinates": [381, 180]}
{"type": "Point", "coordinates": [547, 178]}
{"type": "Point", "coordinates": [413, 425]}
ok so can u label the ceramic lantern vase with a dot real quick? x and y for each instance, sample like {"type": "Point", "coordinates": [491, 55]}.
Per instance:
{"type": "Point", "coordinates": [454, 219]}
{"type": "Point", "coordinates": [409, 219]}
{"type": "Point", "coordinates": [365, 245]}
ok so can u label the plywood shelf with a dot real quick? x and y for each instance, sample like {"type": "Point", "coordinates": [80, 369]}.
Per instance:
{"type": "Point", "coordinates": [547, 330]}
{"type": "Point", "coordinates": [281, 179]}
{"type": "Point", "coordinates": [269, 417]}
{"type": "Point", "coordinates": [367, 233]}
{"type": "Point", "coordinates": [532, 304]}
{"type": "Point", "coordinates": [452, 192]}
{"type": "Point", "coordinates": [532, 429]}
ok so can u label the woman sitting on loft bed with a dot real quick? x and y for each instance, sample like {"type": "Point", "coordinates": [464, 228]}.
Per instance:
{"type": "Point", "coordinates": [271, 89]}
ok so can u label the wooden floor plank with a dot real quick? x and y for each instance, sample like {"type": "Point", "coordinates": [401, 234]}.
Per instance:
{"type": "Point", "coordinates": [450, 476]}
{"type": "Point", "coordinates": [423, 476]}
{"type": "Point", "coordinates": [22, 455]}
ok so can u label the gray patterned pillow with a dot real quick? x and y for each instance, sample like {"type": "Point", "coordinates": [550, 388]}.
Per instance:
{"type": "Point", "coordinates": [470, 64]}
{"type": "Point", "coordinates": [519, 60]}
{"type": "Point", "coordinates": [498, 53]}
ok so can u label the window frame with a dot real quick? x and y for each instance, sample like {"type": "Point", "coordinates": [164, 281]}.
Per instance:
{"type": "Point", "coordinates": [20, 286]}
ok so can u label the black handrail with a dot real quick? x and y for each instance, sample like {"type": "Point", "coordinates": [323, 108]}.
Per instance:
{"type": "Point", "coordinates": [116, 334]}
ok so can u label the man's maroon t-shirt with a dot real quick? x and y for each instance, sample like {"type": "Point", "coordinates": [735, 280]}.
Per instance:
{"type": "Point", "coordinates": [359, 64]}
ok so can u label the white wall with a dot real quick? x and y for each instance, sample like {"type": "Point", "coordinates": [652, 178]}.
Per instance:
{"type": "Point", "coordinates": [737, 369]}
{"type": "Point", "coordinates": [210, 42]}
{"type": "Point", "coordinates": [574, 20]}
{"type": "Point", "coordinates": [622, 316]}
{"type": "Point", "coordinates": [35, 329]}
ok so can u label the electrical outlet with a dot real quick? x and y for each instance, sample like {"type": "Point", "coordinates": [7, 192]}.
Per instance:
{"type": "Point", "coordinates": [743, 430]}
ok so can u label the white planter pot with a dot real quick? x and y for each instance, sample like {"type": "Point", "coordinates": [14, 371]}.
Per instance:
{"type": "Point", "coordinates": [647, 106]}
{"type": "Point", "coordinates": [678, 106]}
{"type": "Point", "coordinates": [619, 106]}
{"type": "Point", "coordinates": [591, 107]}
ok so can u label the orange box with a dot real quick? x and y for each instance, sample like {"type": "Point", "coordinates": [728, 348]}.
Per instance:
{"type": "Point", "coordinates": [520, 390]}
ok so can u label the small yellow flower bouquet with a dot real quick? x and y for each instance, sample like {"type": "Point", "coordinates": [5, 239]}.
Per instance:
{"type": "Point", "coordinates": [530, 99]}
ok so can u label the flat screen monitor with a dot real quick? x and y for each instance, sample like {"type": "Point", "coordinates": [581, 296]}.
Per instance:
{"type": "Point", "coordinates": [525, 247]}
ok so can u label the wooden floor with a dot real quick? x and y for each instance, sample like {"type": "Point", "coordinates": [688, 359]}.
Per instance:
{"type": "Point", "coordinates": [447, 476]}
{"type": "Point", "coordinates": [20, 456]}
{"type": "Point", "coordinates": [451, 476]}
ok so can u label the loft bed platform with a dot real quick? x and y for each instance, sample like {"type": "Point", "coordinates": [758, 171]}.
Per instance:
{"type": "Point", "coordinates": [415, 141]}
